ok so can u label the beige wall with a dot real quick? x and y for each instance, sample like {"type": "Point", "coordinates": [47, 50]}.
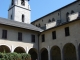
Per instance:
{"type": "Point", "coordinates": [61, 39]}
{"type": "Point", "coordinates": [12, 38]}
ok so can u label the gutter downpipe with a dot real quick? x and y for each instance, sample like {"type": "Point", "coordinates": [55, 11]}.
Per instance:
{"type": "Point", "coordinates": [38, 47]}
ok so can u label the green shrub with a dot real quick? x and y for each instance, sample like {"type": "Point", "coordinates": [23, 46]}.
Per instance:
{"type": "Point", "coordinates": [14, 56]}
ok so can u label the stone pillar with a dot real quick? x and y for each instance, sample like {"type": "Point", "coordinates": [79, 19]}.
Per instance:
{"type": "Point", "coordinates": [39, 55]}
{"type": "Point", "coordinates": [12, 49]}
{"type": "Point", "coordinates": [49, 53]}
{"type": "Point", "coordinates": [27, 50]}
{"type": "Point", "coordinates": [38, 58]}
{"type": "Point", "coordinates": [62, 57]}
{"type": "Point", "coordinates": [62, 53]}
{"type": "Point", "coordinates": [77, 51]}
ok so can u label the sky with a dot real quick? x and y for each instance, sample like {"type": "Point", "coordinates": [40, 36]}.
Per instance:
{"type": "Point", "coordinates": [39, 8]}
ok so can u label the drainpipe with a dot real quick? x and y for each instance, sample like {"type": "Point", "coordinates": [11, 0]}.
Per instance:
{"type": "Point", "coordinates": [38, 48]}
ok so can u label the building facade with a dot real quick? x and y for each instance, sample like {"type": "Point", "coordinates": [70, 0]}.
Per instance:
{"type": "Point", "coordinates": [54, 36]}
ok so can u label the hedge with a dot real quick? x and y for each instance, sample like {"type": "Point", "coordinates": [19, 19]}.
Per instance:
{"type": "Point", "coordinates": [14, 56]}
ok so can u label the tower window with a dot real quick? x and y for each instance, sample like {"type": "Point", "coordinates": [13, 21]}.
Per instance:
{"type": "Point", "coordinates": [67, 31]}
{"type": "Point", "coordinates": [33, 38]}
{"type": "Point", "coordinates": [22, 2]}
{"type": "Point", "coordinates": [4, 34]}
{"type": "Point", "coordinates": [19, 36]}
{"type": "Point", "coordinates": [22, 18]}
{"type": "Point", "coordinates": [12, 2]}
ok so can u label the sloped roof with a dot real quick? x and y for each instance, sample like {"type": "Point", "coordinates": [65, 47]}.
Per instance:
{"type": "Point", "coordinates": [55, 11]}
{"type": "Point", "coordinates": [19, 24]}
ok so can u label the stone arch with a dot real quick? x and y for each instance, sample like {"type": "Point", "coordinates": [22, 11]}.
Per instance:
{"type": "Point", "coordinates": [69, 51]}
{"type": "Point", "coordinates": [44, 54]}
{"type": "Point", "coordinates": [33, 53]}
{"type": "Point", "coordinates": [55, 53]}
{"type": "Point", "coordinates": [4, 48]}
{"type": "Point", "coordinates": [19, 50]}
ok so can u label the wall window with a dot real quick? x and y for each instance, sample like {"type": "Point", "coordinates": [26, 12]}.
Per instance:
{"type": "Point", "coordinates": [53, 19]}
{"type": "Point", "coordinates": [39, 25]}
{"type": "Point", "coordinates": [23, 2]}
{"type": "Point", "coordinates": [12, 3]}
{"type": "Point", "coordinates": [19, 36]}
{"type": "Point", "coordinates": [36, 25]}
{"type": "Point", "coordinates": [58, 14]}
{"type": "Point", "coordinates": [54, 35]}
{"type": "Point", "coordinates": [4, 34]}
{"type": "Point", "coordinates": [33, 38]}
{"type": "Point", "coordinates": [22, 18]}
{"type": "Point", "coordinates": [72, 12]}
{"type": "Point", "coordinates": [67, 18]}
{"type": "Point", "coordinates": [49, 21]}
{"type": "Point", "coordinates": [43, 38]}
{"type": "Point", "coordinates": [67, 33]}
{"type": "Point", "coordinates": [11, 17]}
{"type": "Point", "coordinates": [44, 24]}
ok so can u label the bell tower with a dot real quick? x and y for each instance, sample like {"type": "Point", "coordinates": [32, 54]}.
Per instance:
{"type": "Point", "coordinates": [19, 10]}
